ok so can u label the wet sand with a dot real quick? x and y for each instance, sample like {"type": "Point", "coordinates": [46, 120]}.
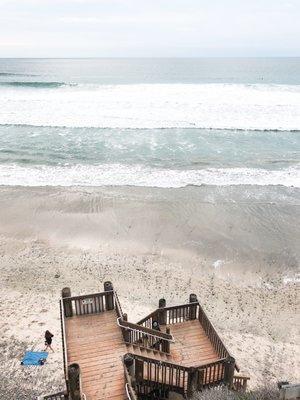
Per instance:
{"type": "Point", "coordinates": [236, 247]}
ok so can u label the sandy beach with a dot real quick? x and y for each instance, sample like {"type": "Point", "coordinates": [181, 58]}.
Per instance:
{"type": "Point", "coordinates": [238, 250]}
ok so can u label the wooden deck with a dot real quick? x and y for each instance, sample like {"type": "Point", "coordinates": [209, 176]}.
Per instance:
{"type": "Point", "coordinates": [192, 346]}
{"type": "Point", "coordinates": [95, 342]}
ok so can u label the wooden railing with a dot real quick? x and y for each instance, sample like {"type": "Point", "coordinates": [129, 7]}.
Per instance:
{"type": "Point", "coordinates": [89, 303]}
{"type": "Point", "coordinates": [210, 331]}
{"type": "Point", "coordinates": [148, 320]}
{"type": "Point", "coordinates": [118, 307]}
{"type": "Point", "coordinates": [63, 335]}
{"type": "Point", "coordinates": [171, 315]}
{"type": "Point", "coordinates": [181, 313]}
{"type": "Point", "coordinates": [240, 383]}
{"type": "Point", "coordinates": [130, 392]}
{"type": "Point", "coordinates": [92, 304]}
{"type": "Point", "coordinates": [145, 337]}
{"type": "Point", "coordinates": [151, 375]}
{"type": "Point", "coordinates": [211, 374]}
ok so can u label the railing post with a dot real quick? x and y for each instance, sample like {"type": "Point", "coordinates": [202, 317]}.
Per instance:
{"type": "Point", "coordinates": [229, 371]}
{"type": "Point", "coordinates": [126, 332]}
{"type": "Point", "coordinates": [109, 297]}
{"type": "Point", "coordinates": [74, 382]}
{"type": "Point", "coordinates": [193, 308]}
{"type": "Point", "coordinates": [162, 315]}
{"type": "Point", "coordinates": [192, 382]}
{"type": "Point", "coordinates": [200, 379]}
{"type": "Point", "coordinates": [129, 364]}
{"type": "Point", "coordinates": [66, 292]}
{"type": "Point", "coordinates": [139, 370]}
{"type": "Point", "coordinates": [244, 388]}
{"type": "Point", "coordinates": [166, 347]}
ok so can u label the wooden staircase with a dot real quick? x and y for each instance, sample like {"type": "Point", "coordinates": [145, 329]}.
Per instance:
{"type": "Point", "coordinates": [150, 353]}
{"type": "Point", "coordinates": [107, 357]}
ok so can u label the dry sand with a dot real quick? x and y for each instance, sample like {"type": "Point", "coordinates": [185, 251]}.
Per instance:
{"type": "Point", "coordinates": [237, 250]}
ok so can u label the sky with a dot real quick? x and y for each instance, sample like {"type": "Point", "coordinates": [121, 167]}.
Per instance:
{"type": "Point", "coordinates": [152, 28]}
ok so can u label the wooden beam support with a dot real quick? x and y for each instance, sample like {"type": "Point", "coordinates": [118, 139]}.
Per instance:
{"type": "Point", "coordinates": [74, 382]}
{"type": "Point", "coordinates": [162, 314]}
{"type": "Point", "coordinates": [229, 371]}
{"type": "Point", "coordinates": [193, 307]}
{"type": "Point", "coordinates": [66, 292]}
{"type": "Point", "coordinates": [109, 297]}
{"type": "Point", "coordinates": [192, 382]}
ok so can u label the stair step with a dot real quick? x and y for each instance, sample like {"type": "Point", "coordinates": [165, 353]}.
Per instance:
{"type": "Point", "coordinates": [146, 352]}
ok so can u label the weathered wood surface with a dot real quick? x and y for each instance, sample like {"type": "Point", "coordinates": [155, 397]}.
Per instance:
{"type": "Point", "coordinates": [192, 346]}
{"type": "Point", "coordinates": [95, 342]}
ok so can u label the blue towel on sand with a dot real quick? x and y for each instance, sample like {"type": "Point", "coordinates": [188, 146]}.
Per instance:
{"type": "Point", "coordinates": [34, 358]}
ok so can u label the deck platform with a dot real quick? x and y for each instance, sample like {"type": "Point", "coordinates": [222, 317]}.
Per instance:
{"type": "Point", "coordinates": [192, 346]}
{"type": "Point", "coordinates": [95, 342]}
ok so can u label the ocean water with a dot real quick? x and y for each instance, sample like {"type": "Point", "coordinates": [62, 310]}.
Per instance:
{"type": "Point", "coordinates": [150, 122]}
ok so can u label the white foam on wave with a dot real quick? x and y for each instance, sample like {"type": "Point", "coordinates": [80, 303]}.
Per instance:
{"type": "Point", "coordinates": [218, 106]}
{"type": "Point", "coordinates": [138, 175]}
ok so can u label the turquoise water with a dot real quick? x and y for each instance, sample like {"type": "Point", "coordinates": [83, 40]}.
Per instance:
{"type": "Point", "coordinates": [160, 122]}
{"type": "Point", "coordinates": [161, 148]}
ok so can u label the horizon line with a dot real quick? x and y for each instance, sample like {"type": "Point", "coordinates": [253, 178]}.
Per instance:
{"type": "Point", "coordinates": [139, 57]}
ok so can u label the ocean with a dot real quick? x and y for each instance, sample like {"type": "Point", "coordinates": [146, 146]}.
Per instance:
{"type": "Point", "coordinates": [150, 122]}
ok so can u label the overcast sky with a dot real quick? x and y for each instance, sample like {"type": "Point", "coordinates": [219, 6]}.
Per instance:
{"type": "Point", "coordinates": [149, 28]}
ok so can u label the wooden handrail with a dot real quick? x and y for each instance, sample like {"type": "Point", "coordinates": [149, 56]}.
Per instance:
{"type": "Point", "coordinates": [179, 306]}
{"type": "Point", "coordinates": [159, 362]}
{"type": "Point", "coordinates": [145, 337]}
{"type": "Point", "coordinates": [204, 365]}
{"type": "Point", "coordinates": [147, 331]}
{"type": "Point", "coordinates": [147, 318]}
{"type": "Point", "coordinates": [130, 392]}
{"type": "Point", "coordinates": [118, 306]}
{"type": "Point", "coordinates": [84, 296]}
{"type": "Point", "coordinates": [173, 314]}
{"type": "Point", "coordinates": [64, 341]}
{"type": "Point", "coordinates": [212, 334]}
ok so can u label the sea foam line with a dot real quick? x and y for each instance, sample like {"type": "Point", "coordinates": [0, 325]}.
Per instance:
{"type": "Point", "coordinates": [138, 175]}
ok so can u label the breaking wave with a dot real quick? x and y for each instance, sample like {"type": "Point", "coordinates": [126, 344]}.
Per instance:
{"type": "Point", "coordinates": [37, 85]}
{"type": "Point", "coordinates": [139, 175]}
{"type": "Point", "coordinates": [209, 106]}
